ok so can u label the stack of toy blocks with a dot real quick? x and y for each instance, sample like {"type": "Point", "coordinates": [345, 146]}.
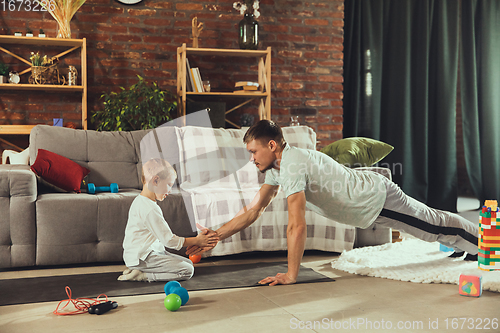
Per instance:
{"type": "Point", "coordinates": [489, 237]}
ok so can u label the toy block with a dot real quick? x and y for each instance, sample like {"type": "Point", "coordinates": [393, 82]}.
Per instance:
{"type": "Point", "coordinates": [491, 204]}
{"type": "Point", "coordinates": [470, 285]}
{"type": "Point", "coordinates": [443, 248]}
{"type": "Point", "coordinates": [58, 122]}
{"type": "Point", "coordinates": [489, 236]}
{"type": "Point", "coordinates": [489, 267]}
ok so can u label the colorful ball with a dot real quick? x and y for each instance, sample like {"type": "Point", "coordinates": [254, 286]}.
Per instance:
{"type": "Point", "coordinates": [172, 302]}
{"type": "Point", "coordinates": [171, 285]}
{"type": "Point", "coordinates": [183, 294]}
{"type": "Point", "coordinates": [195, 258]}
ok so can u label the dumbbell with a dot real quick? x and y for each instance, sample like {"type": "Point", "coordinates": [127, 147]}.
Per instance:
{"type": "Point", "coordinates": [92, 189]}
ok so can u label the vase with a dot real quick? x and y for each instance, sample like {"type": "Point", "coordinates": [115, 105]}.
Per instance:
{"type": "Point", "coordinates": [64, 30]}
{"type": "Point", "coordinates": [248, 31]}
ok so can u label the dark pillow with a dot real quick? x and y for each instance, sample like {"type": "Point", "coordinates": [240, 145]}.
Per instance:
{"type": "Point", "coordinates": [59, 171]}
{"type": "Point", "coordinates": [357, 151]}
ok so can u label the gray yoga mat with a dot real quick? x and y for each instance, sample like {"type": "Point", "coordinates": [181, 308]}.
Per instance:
{"type": "Point", "coordinates": [45, 289]}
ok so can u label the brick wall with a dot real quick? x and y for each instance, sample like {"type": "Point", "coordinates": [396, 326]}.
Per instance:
{"type": "Point", "coordinates": [126, 41]}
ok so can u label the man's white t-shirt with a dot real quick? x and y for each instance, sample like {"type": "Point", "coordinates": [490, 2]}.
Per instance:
{"type": "Point", "coordinates": [332, 190]}
{"type": "Point", "coordinates": [146, 231]}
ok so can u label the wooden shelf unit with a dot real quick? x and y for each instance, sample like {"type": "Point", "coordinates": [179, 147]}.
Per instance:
{"type": "Point", "coordinates": [263, 58]}
{"type": "Point", "coordinates": [72, 44]}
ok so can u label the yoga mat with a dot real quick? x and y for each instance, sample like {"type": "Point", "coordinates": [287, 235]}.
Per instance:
{"type": "Point", "coordinates": [45, 289]}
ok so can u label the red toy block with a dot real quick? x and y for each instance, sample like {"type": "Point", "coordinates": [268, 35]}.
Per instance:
{"type": "Point", "coordinates": [470, 285]}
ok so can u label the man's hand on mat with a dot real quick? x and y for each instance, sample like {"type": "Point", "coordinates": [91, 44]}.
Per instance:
{"type": "Point", "coordinates": [280, 278]}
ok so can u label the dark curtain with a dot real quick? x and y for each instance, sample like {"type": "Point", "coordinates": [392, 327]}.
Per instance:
{"type": "Point", "coordinates": [480, 91]}
{"type": "Point", "coordinates": [400, 79]}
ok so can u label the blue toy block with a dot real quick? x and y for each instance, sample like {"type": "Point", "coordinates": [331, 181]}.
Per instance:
{"type": "Point", "coordinates": [58, 122]}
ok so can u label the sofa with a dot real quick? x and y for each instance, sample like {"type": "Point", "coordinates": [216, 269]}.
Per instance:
{"type": "Point", "coordinates": [43, 226]}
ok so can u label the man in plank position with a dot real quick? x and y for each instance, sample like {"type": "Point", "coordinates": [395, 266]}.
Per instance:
{"type": "Point", "coordinates": [354, 197]}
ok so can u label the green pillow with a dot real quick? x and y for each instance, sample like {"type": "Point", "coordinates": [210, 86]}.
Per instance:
{"type": "Point", "coordinates": [357, 151]}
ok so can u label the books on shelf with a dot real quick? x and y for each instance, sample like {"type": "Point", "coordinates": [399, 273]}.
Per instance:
{"type": "Point", "coordinates": [189, 78]}
{"type": "Point", "coordinates": [199, 82]}
{"type": "Point", "coordinates": [193, 79]}
{"type": "Point", "coordinates": [246, 86]}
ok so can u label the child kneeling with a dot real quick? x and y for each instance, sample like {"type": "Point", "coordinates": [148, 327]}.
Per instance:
{"type": "Point", "coordinates": [147, 233]}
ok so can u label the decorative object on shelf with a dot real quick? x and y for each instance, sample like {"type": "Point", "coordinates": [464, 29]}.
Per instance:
{"type": "Point", "coordinates": [294, 121]}
{"type": "Point", "coordinates": [62, 11]}
{"type": "Point", "coordinates": [29, 33]}
{"type": "Point", "coordinates": [72, 75]}
{"type": "Point", "coordinates": [4, 70]}
{"type": "Point", "coordinates": [248, 28]}
{"type": "Point", "coordinates": [196, 29]}
{"type": "Point", "coordinates": [14, 77]}
{"type": "Point", "coordinates": [246, 86]}
{"type": "Point", "coordinates": [18, 34]}
{"type": "Point", "coordinates": [143, 106]}
{"type": "Point", "coordinates": [41, 34]}
{"type": "Point", "coordinates": [206, 85]}
{"type": "Point", "coordinates": [246, 120]}
{"type": "Point", "coordinates": [129, 2]}
{"type": "Point", "coordinates": [44, 70]}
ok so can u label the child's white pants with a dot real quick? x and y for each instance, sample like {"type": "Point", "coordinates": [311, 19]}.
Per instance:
{"type": "Point", "coordinates": [165, 266]}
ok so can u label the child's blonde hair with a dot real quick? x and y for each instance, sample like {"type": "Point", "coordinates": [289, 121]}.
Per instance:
{"type": "Point", "coordinates": [157, 167]}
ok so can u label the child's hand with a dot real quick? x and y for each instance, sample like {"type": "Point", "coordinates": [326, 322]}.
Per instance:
{"type": "Point", "coordinates": [207, 238]}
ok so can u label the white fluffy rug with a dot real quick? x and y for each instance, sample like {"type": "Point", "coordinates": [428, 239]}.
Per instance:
{"type": "Point", "coordinates": [412, 260]}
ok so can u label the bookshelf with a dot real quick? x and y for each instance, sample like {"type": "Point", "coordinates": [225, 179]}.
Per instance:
{"type": "Point", "coordinates": [263, 59]}
{"type": "Point", "coordinates": [72, 45]}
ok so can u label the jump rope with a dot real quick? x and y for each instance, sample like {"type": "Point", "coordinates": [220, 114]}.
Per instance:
{"type": "Point", "coordinates": [98, 305]}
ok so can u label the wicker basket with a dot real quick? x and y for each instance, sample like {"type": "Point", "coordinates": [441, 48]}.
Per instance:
{"type": "Point", "coordinates": [46, 75]}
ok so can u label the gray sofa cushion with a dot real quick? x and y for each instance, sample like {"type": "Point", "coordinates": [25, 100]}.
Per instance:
{"type": "Point", "coordinates": [80, 228]}
{"type": "Point", "coordinates": [83, 228]}
{"type": "Point", "coordinates": [17, 216]}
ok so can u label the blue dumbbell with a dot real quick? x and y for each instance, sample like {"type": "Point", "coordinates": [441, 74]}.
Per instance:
{"type": "Point", "coordinates": [92, 189]}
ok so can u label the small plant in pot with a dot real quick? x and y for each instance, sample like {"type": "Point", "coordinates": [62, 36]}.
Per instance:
{"type": "Point", "coordinates": [29, 32]}
{"type": "Point", "coordinates": [4, 72]}
{"type": "Point", "coordinates": [143, 106]}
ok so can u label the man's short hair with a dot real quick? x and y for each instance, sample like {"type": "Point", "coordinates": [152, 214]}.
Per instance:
{"type": "Point", "coordinates": [265, 131]}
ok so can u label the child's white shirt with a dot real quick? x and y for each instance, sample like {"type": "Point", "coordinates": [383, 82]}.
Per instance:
{"type": "Point", "coordinates": [146, 231]}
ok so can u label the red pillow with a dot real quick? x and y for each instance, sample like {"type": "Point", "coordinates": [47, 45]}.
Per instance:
{"type": "Point", "coordinates": [59, 170]}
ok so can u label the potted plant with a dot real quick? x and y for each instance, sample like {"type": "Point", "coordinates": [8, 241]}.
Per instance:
{"type": "Point", "coordinates": [18, 34]}
{"type": "Point", "coordinates": [41, 33]}
{"type": "Point", "coordinates": [29, 32]}
{"type": "Point", "coordinates": [143, 106]}
{"type": "Point", "coordinates": [4, 72]}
